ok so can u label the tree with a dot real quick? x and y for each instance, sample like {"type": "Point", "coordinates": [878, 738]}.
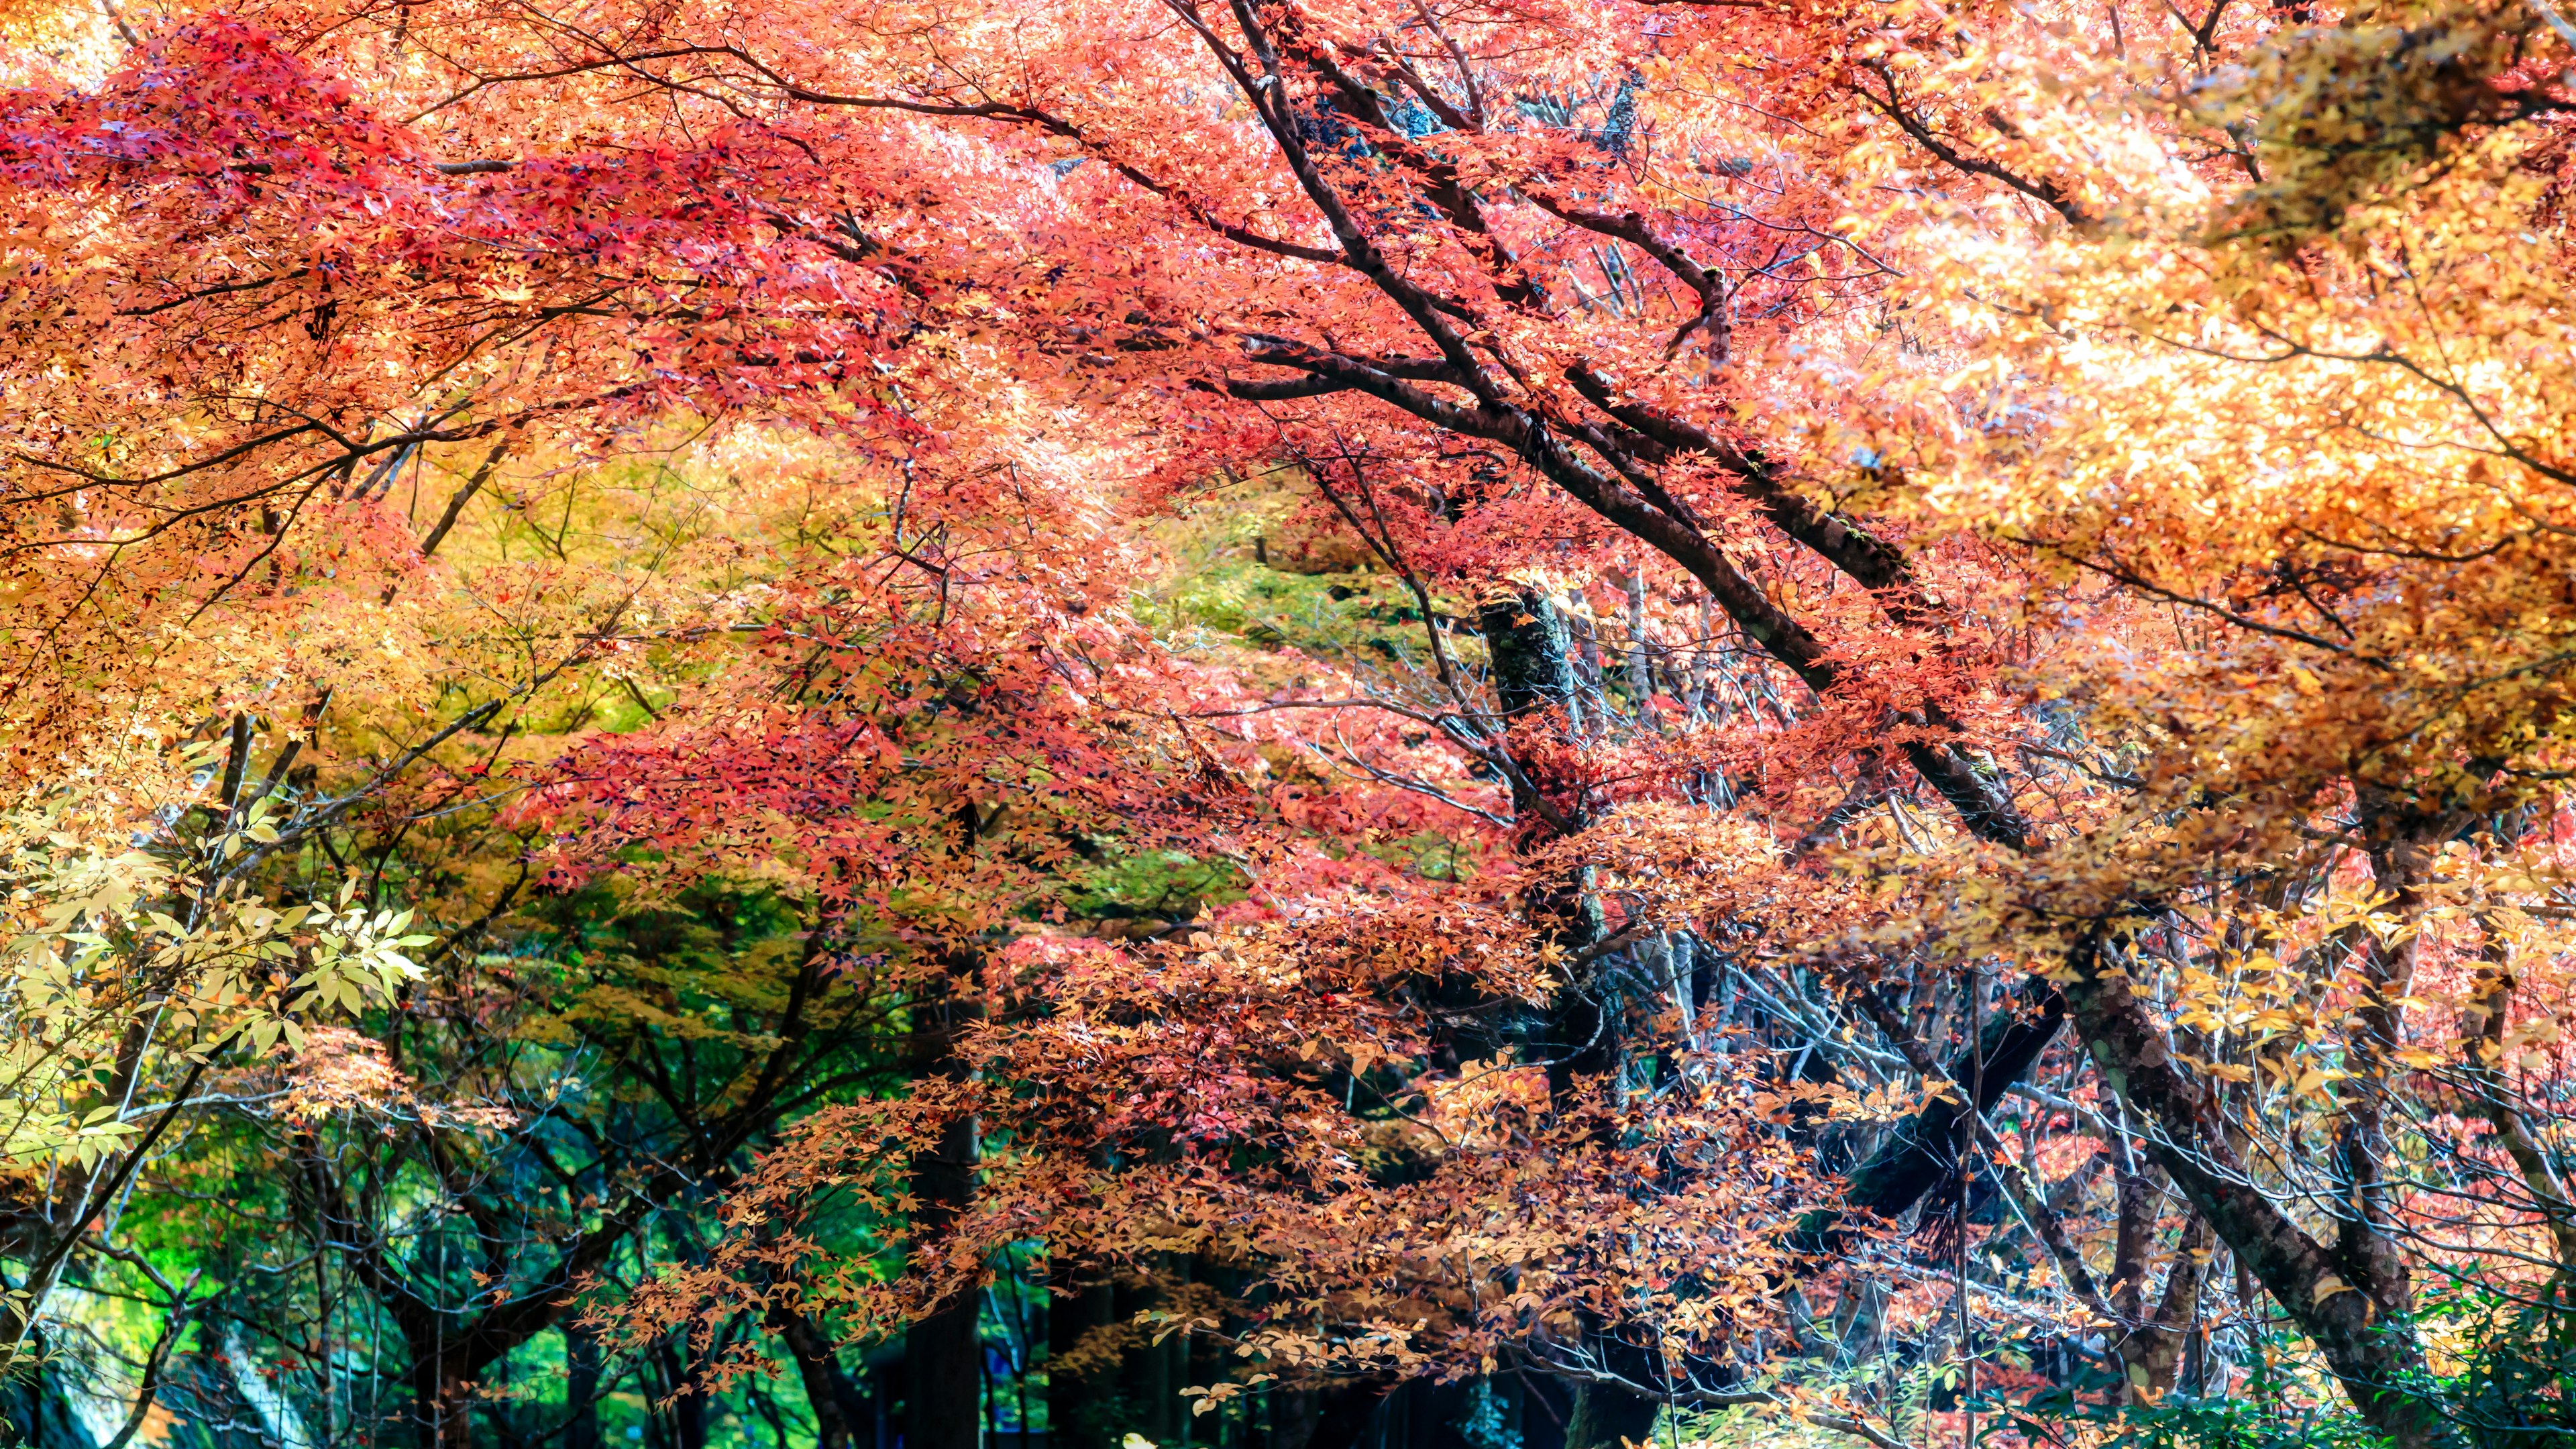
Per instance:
{"type": "Point", "coordinates": [1908, 531]}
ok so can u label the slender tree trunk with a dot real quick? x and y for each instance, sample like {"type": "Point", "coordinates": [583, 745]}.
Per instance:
{"type": "Point", "coordinates": [1141, 1384]}
{"type": "Point", "coordinates": [581, 1388]}
{"type": "Point", "coordinates": [2154, 1352]}
{"type": "Point", "coordinates": [1547, 1410]}
{"type": "Point", "coordinates": [443, 1392]}
{"type": "Point", "coordinates": [1344, 1413]}
{"type": "Point", "coordinates": [2373, 1353]}
{"type": "Point", "coordinates": [1532, 649]}
{"type": "Point", "coordinates": [1610, 1419]}
{"type": "Point", "coordinates": [1533, 671]}
{"type": "Point", "coordinates": [943, 1372]}
{"type": "Point", "coordinates": [943, 1353]}
{"type": "Point", "coordinates": [840, 1411]}
{"type": "Point", "coordinates": [1916, 1156]}
{"type": "Point", "coordinates": [1077, 1401]}
{"type": "Point", "coordinates": [689, 1412]}
{"type": "Point", "coordinates": [2366, 1238]}
{"type": "Point", "coordinates": [1172, 1416]}
{"type": "Point", "coordinates": [2496, 1102]}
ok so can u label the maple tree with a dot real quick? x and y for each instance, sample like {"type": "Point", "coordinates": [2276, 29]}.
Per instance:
{"type": "Point", "coordinates": [1931, 772]}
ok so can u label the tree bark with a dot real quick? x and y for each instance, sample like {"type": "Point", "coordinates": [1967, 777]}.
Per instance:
{"type": "Point", "coordinates": [1344, 1412]}
{"type": "Point", "coordinates": [1609, 1419]}
{"type": "Point", "coordinates": [2152, 1350]}
{"type": "Point", "coordinates": [1077, 1406]}
{"type": "Point", "coordinates": [1919, 1153]}
{"type": "Point", "coordinates": [942, 1353]}
{"type": "Point", "coordinates": [688, 1411]}
{"type": "Point", "coordinates": [2374, 1354]}
{"type": "Point", "coordinates": [443, 1392]}
{"type": "Point", "coordinates": [840, 1411]}
{"type": "Point", "coordinates": [581, 1388]}
{"type": "Point", "coordinates": [2496, 1102]}
{"type": "Point", "coordinates": [1533, 671]}
{"type": "Point", "coordinates": [943, 1374]}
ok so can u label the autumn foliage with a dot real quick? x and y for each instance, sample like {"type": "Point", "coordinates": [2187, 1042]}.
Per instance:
{"type": "Point", "coordinates": [1295, 724]}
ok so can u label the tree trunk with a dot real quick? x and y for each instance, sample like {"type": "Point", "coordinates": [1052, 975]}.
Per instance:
{"type": "Point", "coordinates": [1533, 672]}
{"type": "Point", "coordinates": [2152, 1352]}
{"type": "Point", "coordinates": [2373, 1353]}
{"type": "Point", "coordinates": [943, 1369]}
{"type": "Point", "coordinates": [943, 1375]}
{"type": "Point", "coordinates": [444, 1400]}
{"type": "Point", "coordinates": [581, 1388]}
{"type": "Point", "coordinates": [1609, 1418]}
{"type": "Point", "coordinates": [1547, 1411]}
{"type": "Point", "coordinates": [840, 1411]}
{"type": "Point", "coordinates": [1078, 1404]}
{"type": "Point", "coordinates": [688, 1411]}
{"type": "Point", "coordinates": [1918, 1154]}
{"type": "Point", "coordinates": [1344, 1412]}
{"type": "Point", "coordinates": [2496, 1102]}
{"type": "Point", "coordinates": [2366, 1238]}
{"type": "Point", "coordinates": [1291, 1415]}
{"type": "Point", "coordinates": [1530, 644]}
